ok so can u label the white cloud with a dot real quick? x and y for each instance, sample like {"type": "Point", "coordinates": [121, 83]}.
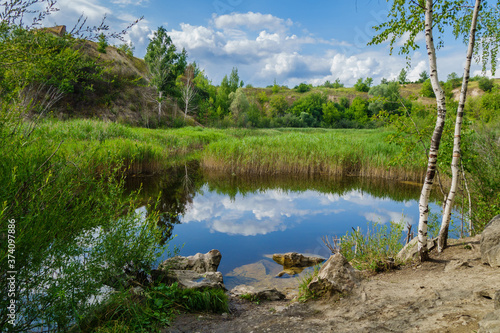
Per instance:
{"type": "Point", "coordinates": [139, 34]}
{"type": "Point", "coordinates": [252, 21]}
{"type": "Point", "coordinates": [89, 8]}
{"type": "Point", "coordinates": [258, 214]}
{"type": "Point", "coordinates": [129, 2]}
{"type": "Point", "coordinates": [384, 216]}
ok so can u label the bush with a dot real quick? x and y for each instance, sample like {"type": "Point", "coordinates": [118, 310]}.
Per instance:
{"type": "Point", "coordinates": [302, 88]}
{"type": "Point", "coordinates": [372, 250]}
{"type": "Point", "coordinates": [102, 43]}
{"type": "Point", "coordinates": [152, 309]}
{"type": "Point", "coordinates": [363, 86]}
{"type": "Point", "coordinates": [426, 90]}
{"type": "Point", "coordinates": [74, 230]}
{"type": "Point", "coordinates": [486, 84]}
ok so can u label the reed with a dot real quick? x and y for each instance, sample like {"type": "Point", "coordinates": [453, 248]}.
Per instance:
{"type": "Point", "coordinates": [302, 152]}
{"type": "Point", "coordinates": [138, 150]}
{"type": "Point", "coordinates": [362, 153]}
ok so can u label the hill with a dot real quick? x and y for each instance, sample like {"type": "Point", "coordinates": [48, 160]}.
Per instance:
{"type": "Point", "coordinates": [123, 95]}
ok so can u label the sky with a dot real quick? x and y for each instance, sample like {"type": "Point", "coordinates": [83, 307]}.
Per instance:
{"type": "Point", "coordinates": [287, 41]}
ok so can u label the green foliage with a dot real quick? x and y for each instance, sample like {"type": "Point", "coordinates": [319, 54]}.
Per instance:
{"type": "Point", "coordinates": [331, 114]}
{"type": "Point", "coordinates": [305, 293]}
{"type": "Point", "coordinates": [337, 84]}
{"type": "Point", "coordinates": [485, 108]}
{"type": "Point", "coordinates": [359, 110]}
{"type": "Point", "coordinates": [332, 152]}
{"type": "Point", "coordinates": [387, 98]}
{"type": "Point", "coordinates": [250, 298]}
{"type": "Point", "coordinates": [152, 309]}
{"type": "Point", "coordinates": [279, 105]}
{"type": "Point", "coordinates": [427, 90]}
{"type": "Point", "coordinates": [239, 103]}
{"type": "Point", "coordinates": [371, 251]}
{"type": "Point", "coordinates": [311, 104]}
{"type": "Point", "coordinates": [406, 21]}
{"type": "Point", "coordinates": [128, 49]}
{"type": "Point", "coordinates": [165, 64]}
{"type": "Point", "coordinates": [74, 230]}
{"type": "Point", "coordinates": [303, 87]}
{"type": "Point", "coordinates": [102, 43]}
{"type": "Point", "coordinates": [486, 84]}
{"type": "Point", "coordinates": [403, 76]}
{"type": "Point", "coordinates": [40, 61]}
{"type": "Point", "coordinates": [483, 169]}
{"type": "Point", "coordinates": [454, 81]}
{"type": "Point", "coordinates": [423, 76]}
{"type": "Point", "coordinates": [363, 86]}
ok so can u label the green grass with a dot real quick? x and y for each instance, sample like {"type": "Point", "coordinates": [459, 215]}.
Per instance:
{"type": "Point", "coordinates": [305, 293]}
{"type": "Point", "coordinates": [142, 150]}
{"type": "Point", "coordinates": [239, 151]}
{"type": "Point", "coordinates": [308, 152]}
{"type": "Point", "coordinates": [151, 310]}
{"type": "Point", "coordinates": [371, 250]}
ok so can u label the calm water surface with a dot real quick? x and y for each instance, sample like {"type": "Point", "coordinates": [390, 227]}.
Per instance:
{"type": "Point", "coordinates": [248, 220]}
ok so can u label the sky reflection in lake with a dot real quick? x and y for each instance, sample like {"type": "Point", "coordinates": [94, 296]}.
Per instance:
{"type": "Point", "coordinates": [246, 227]}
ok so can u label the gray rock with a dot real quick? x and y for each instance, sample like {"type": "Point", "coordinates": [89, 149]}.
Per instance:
{"type": "Point", "coordinates": [258, 293]}
{"type": "Point", "coordinates": [193, 280]}
{"type": "Point", "coordinates": [336, 276]}
{"type": "Point", "coordinates": [490, 323]}
{"type": "Point", "coordinates": [294, 259]}
{"type": "Point", "coordinates": [496, 300]}
{"type": "Point", "coordinates": [410, 250]}
{"type": "Point", "coordinates": [490, 243]}
{"type": "Point", "coordinates": [200, 263]}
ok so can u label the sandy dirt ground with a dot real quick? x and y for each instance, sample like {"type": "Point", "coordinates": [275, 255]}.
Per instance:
{"type": "Point", "coordinates": [450, 293]}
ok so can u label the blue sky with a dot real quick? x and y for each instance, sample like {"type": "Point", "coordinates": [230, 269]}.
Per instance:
{"type": "Point", "coordinates": [290, 41]}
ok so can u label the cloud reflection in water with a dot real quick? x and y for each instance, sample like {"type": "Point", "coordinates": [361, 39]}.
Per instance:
{"type": "Point", "coordinates": [268, 211]}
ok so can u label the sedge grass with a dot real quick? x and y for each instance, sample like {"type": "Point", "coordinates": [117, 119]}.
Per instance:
{"type": "Point", "coordinates": [302, 152]}
{"type": "Point", "coordinates": [362, 153]}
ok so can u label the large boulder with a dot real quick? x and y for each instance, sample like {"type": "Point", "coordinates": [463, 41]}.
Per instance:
{"type": "Point", "coordinates": [200, 263]}
{"type": "Point", "coordinates": [410, 251]}
{"type": "Point", "coordinates": [192, 280]}
{"type": "Point", "coordinates": [254, 293]}
{"type": "Point", "coordinates": [490, 243]}
{"type": "Point", "coordinates": [336, 276]}
{"type": "Point", "coordinates": [294, 259]}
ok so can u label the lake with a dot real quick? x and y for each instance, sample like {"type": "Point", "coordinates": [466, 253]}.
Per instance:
{"type": "Point", "coordinates": [249, 219]}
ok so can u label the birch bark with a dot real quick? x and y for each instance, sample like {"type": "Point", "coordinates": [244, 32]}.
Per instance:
{"type": "Point", "coordinates": [436, 136]}
{"type": "Point", "coordinates": [445, 223]}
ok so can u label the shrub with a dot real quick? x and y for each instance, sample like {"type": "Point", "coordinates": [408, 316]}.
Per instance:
{"type": "Point", "coordinates": [302, 88]}
{"type": "Point", "coordinates": [372, 250]}
{"type": "Point", "coordinates": [486, 84]}
{"type": "Point", "coordinates": [102, 43]}
{"type": "Point", "coordinates": [426, 89]}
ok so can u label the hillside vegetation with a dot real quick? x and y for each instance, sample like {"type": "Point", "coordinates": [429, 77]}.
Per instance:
{"type": "Point", "coordinates": [77, 117]}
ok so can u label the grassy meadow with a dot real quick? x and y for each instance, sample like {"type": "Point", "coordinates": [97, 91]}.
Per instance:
{"type": "Point", "coordinates": [330, 152]}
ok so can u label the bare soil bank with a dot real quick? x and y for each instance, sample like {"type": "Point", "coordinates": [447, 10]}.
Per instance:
{"type": "Point", "coordinates": [450, 293]}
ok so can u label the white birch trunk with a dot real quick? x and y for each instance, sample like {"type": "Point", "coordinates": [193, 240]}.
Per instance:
{"type": "Point", "coordinates": [436, 136]}
{"type": "Point", "coordinates": [445, 223]}
{"type": "Point", "coordinates": [160, 99]}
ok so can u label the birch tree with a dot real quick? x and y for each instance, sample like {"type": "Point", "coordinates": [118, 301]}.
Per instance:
{"type": "Point", "coordinates": [164, 65]}
{"type": "Point", "coordinates": [408, 18]}
{"type": "Point", "coordinates": [188, 90]}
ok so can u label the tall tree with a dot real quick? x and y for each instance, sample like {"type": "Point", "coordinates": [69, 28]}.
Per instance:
{"type": "Point", "coordinates": [445, 223]}
{"type": "Point", "coordinates": [165, 64]}
{"type": "Point", "coordinates": [188, 89]}
{"type": "Point", "coordinates": [407, 18]}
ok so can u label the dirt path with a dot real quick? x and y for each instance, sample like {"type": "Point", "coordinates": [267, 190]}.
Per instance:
{"type": "Point", "coordinates": [451, 293]}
